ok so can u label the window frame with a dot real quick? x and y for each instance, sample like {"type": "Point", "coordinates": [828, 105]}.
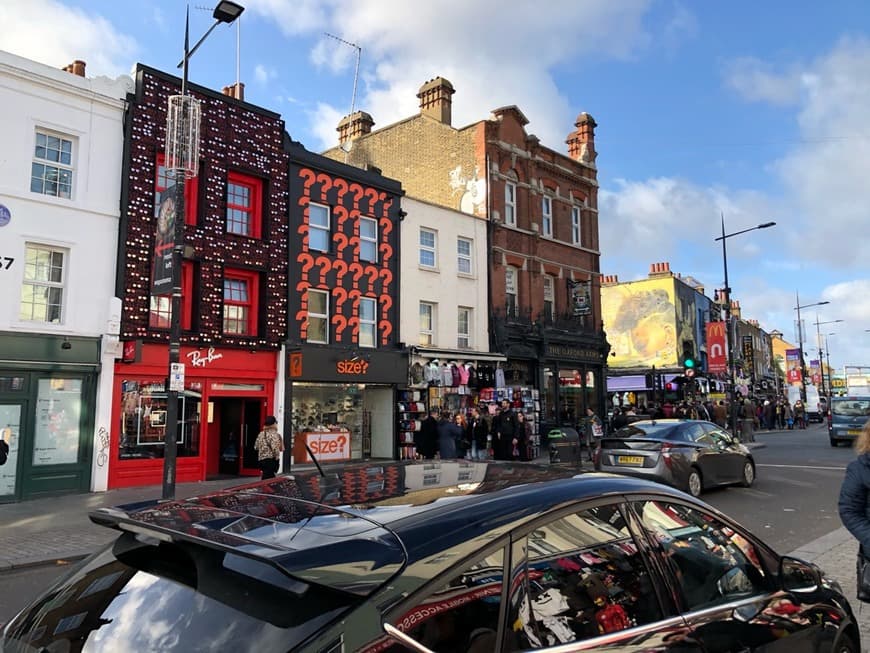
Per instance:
{"type": "Point", "coordinates": [469, 257]}
{"type": "Point", "coordinates": [58, 166]}
{"type": "Point", "coordinates": [312, 227]}
{"type": "Point", "coordinates": [186, 303]}
{"type": "Point", "coordinates": [45, 285]}
{"type": "Point", "coordinates": [547, 216]}
{"type": "Point", "coordinates": [255, 208]}
{"type": "Point", "coordinates": [511, 307]}
{"type": "Point", "coordinates": [576, 225]}
{"type": "Point", "coordinates": [549, 284]}
{"type": "Point", "coordinates": [433, 249]}
{"type": "Point", "coordinates": [251, 278]}
{"type": "Point", "coordinates": [371, 241]}
{"type": "Point", "coordinates": [429, 333]}
{"type": "Point", "coordinates": [469, 317]}
{"type": "Point", "coordinates": [368, 324]}
{"type": "Point", "coordinates": [510, 203]}
{"type": "Point", "coordinates": [191, 191]}
{"type": "Point", "coordinates": [318, 316]}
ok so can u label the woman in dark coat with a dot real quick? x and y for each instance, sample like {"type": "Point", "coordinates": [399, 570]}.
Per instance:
{"type": "Point", "coordinates": [426, 439]}
{"type": "Point", "coordinates": [854, 503]}
{"type": "Point", "coordinates": [448, 434]}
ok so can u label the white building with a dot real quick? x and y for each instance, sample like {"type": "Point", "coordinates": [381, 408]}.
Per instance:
{"type": "Point", "coordinates": [60, 188]}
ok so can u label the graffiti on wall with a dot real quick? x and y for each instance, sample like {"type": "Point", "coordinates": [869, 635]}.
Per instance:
{"type": "Point", "coordinates": [470, 188]}
{"type": "Point", "coordinates": [640, 321]}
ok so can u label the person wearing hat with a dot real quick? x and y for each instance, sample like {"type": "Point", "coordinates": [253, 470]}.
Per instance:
{"type": "Point", "coordinates": [269, 446]}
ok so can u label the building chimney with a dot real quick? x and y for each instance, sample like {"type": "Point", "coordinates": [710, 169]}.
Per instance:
{"type": "Point", "coordinates": [353, 126]}
{"type": "Point", "coordinates": [236, 91]}
{"type": "Point", "coordinates": [581, 143]}
{"type": "Point", "coordinates": [610, 279]}
{"type": "Point", "coordinates": [77, 67]}
{"type": "Point", "coordinates": [660, 270]}
{"type": "Point", "coordinates": [435, 99]}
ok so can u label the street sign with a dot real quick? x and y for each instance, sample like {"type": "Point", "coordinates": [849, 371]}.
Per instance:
{"type": "Point", "coordinates": [690, 372]}
{"type": "Point", "coordinates": [176, 377]}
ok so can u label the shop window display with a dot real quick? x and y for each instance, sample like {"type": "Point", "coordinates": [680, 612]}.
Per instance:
{"type": "Point", "coordinates": [331, 418]}
{"type": "Point", "coordinates": [143, 419]}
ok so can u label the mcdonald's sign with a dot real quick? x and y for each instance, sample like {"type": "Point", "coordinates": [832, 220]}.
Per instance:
{"type": "Point", "coordinates": [717, 357]}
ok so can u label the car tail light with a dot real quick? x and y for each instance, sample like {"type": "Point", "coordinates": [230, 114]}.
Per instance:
{"type": "Point", "coordinates": [666, 453]}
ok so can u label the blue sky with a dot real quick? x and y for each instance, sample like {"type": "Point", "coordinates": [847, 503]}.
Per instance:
{"type": "Point", "coordinates": [757, 111]}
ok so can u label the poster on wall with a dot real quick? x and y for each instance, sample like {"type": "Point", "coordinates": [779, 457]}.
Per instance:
{"type": "Point", "coordinates": [58, 412]}
{"type": "Point", "coordinates": [793, 365]}
{"type": "Point", "coordinates": [164, 241]}
{"type": "Point", "coordinates": [10, 420]}
{"type": "Point", "coordinates": [580, 294]}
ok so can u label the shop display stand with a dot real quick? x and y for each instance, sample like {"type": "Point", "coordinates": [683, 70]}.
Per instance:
{"type": "Point", "coordinates": [411, 412]}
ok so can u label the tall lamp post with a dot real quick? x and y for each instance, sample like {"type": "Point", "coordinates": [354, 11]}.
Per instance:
{"type": "Point", "coordinates": [821, 353]}
{"type": "Point", "coordinates": [182, 158]}
{"type": "Point", "coordinates": [828, 361]}
{"type": "Point", "coordinates": [800, 330]}
{"type": "Point", "coordinates": [727, 299]}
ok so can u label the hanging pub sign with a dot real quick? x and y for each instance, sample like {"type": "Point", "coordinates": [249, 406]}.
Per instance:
{"type": "Point", "coordinates": [748, 354]}
{"type": "Point", "coordinates": [164, 242]}
{"type": "Point", "coordinates": [580, 296]}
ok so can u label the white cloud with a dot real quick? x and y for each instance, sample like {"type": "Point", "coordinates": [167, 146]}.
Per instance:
{"type": "Point", "coordinates": [264, 75]}
{"type": "Point", "coordinates": [54, 34]}
{"type": "Point", "coordinates": [325, 120]}
{"type": "Point", "coordinates": [757, 81]}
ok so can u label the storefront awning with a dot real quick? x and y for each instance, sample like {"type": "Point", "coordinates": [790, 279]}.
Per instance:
{"type": "Point", "coordinates": [444, 355]}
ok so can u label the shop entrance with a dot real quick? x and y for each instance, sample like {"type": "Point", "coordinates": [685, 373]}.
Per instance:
{"type": "Point", "coordinates": [232, 433]}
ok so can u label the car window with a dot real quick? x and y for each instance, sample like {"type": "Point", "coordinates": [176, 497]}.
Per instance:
{"type": "Point", "coordinates": [851, 408]}
{"type": "Point", "coordinates": [580, 576]}
{"type": "Point", "coordinates": [699, 434]}
{"type": "Point", "coordinates": [712, 562]}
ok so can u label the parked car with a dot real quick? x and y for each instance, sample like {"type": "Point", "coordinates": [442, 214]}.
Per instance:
{"type": "Point", "coordinates": [847, 417]}
{"type": "Point", "coordinates": [413, 556]}
{"type": "Point", "coordinates": [688, 454]}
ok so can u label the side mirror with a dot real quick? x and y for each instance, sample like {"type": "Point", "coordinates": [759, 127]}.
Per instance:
{"type": "Point", "coordinates": [798, 576]}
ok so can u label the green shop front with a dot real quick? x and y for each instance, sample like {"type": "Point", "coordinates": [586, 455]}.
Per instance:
{"type": "Point", "coordinates": [47, 396]}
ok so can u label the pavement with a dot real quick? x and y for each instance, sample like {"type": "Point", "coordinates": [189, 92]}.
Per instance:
{"type": "Point", "coordinates": [45, 531]}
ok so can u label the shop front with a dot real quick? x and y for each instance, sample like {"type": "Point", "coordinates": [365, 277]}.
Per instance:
{"type": "Point", "coordinates": [342, 403]}
{"type": "Point", "coordinates": [227, 395]}
{"type": "Point", "coordinates": [48, 387]}
{"type": "Point", "coordinates": [573, 380]}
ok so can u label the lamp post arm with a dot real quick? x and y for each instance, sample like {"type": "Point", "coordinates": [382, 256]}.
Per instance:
{"type": "Point", "coordinates": [189, 53]}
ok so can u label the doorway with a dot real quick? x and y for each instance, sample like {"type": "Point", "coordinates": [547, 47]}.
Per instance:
{"type": "Point", "coordinates": [238, 422]}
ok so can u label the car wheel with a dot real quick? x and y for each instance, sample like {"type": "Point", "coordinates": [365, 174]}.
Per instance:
{"type": "Point", "coordinates": [846, 645]}
{"type": "Point", "coordinates": [748, 474]}
{"type": "Point", "coordinates": [834, 442]}
{"type": "Point", "coordinates": [693, 483]}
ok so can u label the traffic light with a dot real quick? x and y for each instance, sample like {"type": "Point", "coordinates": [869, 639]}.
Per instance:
{"type": "Point", "coordinates": [650, 380]}
{"type": "Point", "coordinates": [689, 358]}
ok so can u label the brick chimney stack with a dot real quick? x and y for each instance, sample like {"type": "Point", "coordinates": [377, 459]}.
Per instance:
{"type": "Point", "coordinates": [353, 126]}
{"type": "Point", "coordinates": [236, 91]}
{"type": "Point", "coordinates": [436, 99]}
{"type": "Point", "coordinates": [581, 143]}
{"type": "Point", "coordinates": [77, 67]}
{"type": "Point", "coordinates": [660, 270]}
{"type": "Point", "coordinates": [609, 279]}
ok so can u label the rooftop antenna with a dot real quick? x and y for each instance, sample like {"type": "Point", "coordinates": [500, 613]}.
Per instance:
{"type": "Point", "coordinates": [355, 78]}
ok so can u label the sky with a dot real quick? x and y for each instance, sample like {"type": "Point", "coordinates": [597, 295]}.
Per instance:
{"type": "Point", "coordinates": [742, 111]}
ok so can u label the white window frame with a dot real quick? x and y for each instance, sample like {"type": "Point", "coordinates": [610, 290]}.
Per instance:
{"type": "Point", "coordinates": [427, 334]}
{"type": "Point", "coordinates": [318, 316]}
{"type": "Point", "coordinates": [428, 249]}
{"type": "Point", "coordinates": [463, 258]}
{"type": "Point", "coordinates": [368, 245]}
{"type": "Point", "coordinates": [368, 328]}
{"type": "Point", "coordinates": [463, 337]}
{"type": "Point", "coordinates": [58, 166]}
{"type": "Point", "coordinates": [549, 296]}
{"type": "Point", "coordinates": [547, 216]}
{"type": "Point", "coordinates": [46, 285]}
{"type": "Point", "coordinates": [576, 231]}
{"type": "Point", "coordinates": [510, 203]}
{"type": "Point", "coordinates": [511, 290]}
{"type": "Point", "coordinates": [317, 228]}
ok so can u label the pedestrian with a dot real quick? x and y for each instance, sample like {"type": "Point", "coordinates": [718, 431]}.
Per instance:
{"type": "Point", "coordinates": [594, 431]}
{"type": "Point", "coordinates": [269, 446]}
{"type": "Point", "coordinates": [800, 414]}
{"type": "Point", "coordinates": [720, 414]}
{"type": "Point", "coordinates": [463, 443]}
{"type": "Point", "coordinates": [854, 502]}
{"type": "Point", "coordinates": [788, 414]}
{"type": "Point", "coordinates": [504, 429]}
{"type": "Point", "coordinates": [523, 436]}
{"type": "Point", "coordinates": [477, 432]}
{"type": "Point", "coordinates": [449, 433]}
{"type": "Point", "coordinates": [426, 439]}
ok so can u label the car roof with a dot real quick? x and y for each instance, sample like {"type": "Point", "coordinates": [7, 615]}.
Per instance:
{"type": "Point", "coordinates": [358, 524]}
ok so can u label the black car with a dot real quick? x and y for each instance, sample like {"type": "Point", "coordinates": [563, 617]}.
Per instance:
{"type": "Point", "coordinates": [453, 556]}
{"type": "Point", "coordinates": [688, 454]}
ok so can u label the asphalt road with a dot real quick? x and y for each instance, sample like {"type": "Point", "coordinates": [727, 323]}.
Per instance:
{"type": "Point", "coordinates": [794, 499]}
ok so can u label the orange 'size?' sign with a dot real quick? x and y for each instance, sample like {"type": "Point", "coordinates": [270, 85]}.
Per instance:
{"type": "Point", "coordinates": [352, 367]}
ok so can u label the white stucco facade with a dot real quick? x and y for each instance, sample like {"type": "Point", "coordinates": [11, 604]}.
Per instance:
{"type": "Point", "coordinates": [86, 116]}
{"type": "Point", "coordinates": [442, 285]}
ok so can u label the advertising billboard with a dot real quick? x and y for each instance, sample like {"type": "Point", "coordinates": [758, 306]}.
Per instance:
{"type": "Point", "coordinates": [793, 366]}
{"type": "Point", "coordinates": [640, 321]}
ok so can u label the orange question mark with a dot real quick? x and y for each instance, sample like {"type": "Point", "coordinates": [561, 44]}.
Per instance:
{"type": "Point", "coordinates": [387, 328]}
{"type": "Point", "coordinates": [341, 322]}
{"type": "Point", "coordinates": [386, 276]}
{"type": "Point", "coordinates": [309, 176]}
{"type": "Point", "coordinates": [341, 269]}
{"type": "Point", "coordinates": [341, 296]}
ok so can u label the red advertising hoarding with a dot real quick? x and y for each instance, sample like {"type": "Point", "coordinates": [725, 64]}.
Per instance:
{"type": "Point", "coordinates": [717, 357]}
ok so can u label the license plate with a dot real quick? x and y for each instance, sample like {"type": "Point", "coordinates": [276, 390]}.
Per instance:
{"type": "Point", "coordinates": [629, 460]}
{"type": "Point", "coordinates": [853, 432]}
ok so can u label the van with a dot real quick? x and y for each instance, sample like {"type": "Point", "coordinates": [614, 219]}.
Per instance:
{"type": "Point", "coordinates": [813, 404]}
{"type": "Point", "coordinates": [846, 418]}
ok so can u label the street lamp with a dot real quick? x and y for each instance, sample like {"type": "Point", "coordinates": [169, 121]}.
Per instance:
{"type": "Point", "coordinates": [819, 342]}
{"type": "Point", "coordinates": [800, 329]}
{"type": "Point", "coordinates": [182, 159]}
{"type": "Point", "coordinates": [727, 298]}
{"type": "Point", "coordinates": [828, 360]}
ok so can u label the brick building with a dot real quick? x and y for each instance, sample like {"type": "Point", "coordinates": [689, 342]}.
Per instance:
{"type": "Point", "coordinates": [540, 208]}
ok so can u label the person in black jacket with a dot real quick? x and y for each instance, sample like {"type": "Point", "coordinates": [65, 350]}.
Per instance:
{"type": "Point", "coordinates": [854, 504]}
{"type": "Point", "coordinates": [478, 430]}
{"type": "Point", "coordinates": [426, 439]}
{"type": "Point", "coordinates": [504, 432]}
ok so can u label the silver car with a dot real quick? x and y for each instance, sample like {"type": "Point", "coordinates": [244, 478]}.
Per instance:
{"type": "Point", "coordinates": [691, 455]}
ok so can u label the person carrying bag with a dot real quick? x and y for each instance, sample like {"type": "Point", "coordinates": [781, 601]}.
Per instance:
{"type": "Point", "coordinates": [269, 446]}
{"type": "Point", "coordinates": [854, 508]}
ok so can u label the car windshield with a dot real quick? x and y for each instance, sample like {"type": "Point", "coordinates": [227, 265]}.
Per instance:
{"type": "Point", "coordinates": [851, 408]}
{"type": "Point", "coordinates": [647, 430]}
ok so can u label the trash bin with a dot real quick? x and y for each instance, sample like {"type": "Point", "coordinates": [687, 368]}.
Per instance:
{"type": "Point", "coordinates": [564, 446]}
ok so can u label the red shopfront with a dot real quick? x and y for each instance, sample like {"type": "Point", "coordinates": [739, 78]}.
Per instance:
{"type": "Point", "coordinates": [227, 394]}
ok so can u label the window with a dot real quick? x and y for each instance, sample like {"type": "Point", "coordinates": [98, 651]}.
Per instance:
{"type": "Point", "coordinates": [575, 225]}
{"type": "Point", "coordinates": [463, 328]}
{"type": "Point", "coordinates": [51, 172]}
{"type": "Point", "coordinates": [244, 205]}
{"type": "Point", "coordinates": [579, 576]}
{"type": "Point", "coordinates": [712, 563]}
{"type": "Point", "coordinates": [240, 303]}
{"type": "Point", "coordinates": [547, 216]}
{"type": "Point", "coordinates": [42, 292]}
{"type": "Point", "coordinates": [318, 316]}
{"type": "Point", "coordinates": [160, 312]}
{"type": "Point", "coordinates": [368, 240]}
{"type": "Point", "coordinates": [318, 227]}
{"type": "Point", "coordinates": [510, 290]}
{"type": "Point", "coordinates": [463, 255]}
{"type": "Point", "coordinates": [510, 203]}
{"type": "Point", "coordinates": [427, 323]}
{"type": "Point", "coordinates": [368, 311]}
{"type": "Point", "coordinates": [428, 252]}
{"type": "Point", "coordinates": [165, 181]}
{"type": "Point", "coordinates": [549, 297]}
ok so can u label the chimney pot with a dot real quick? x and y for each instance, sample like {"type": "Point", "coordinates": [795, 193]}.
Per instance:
{"type": "Point", "coordinates": [236, 91]}
{"type": "Point", "coordinates": [581, 142]}
{"type": "Point", "coordinates": [353, 126]}
{"type": "Point", "coordinates": [77, 68]}
{"type": "Point", "coordinates": [436, 99]}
